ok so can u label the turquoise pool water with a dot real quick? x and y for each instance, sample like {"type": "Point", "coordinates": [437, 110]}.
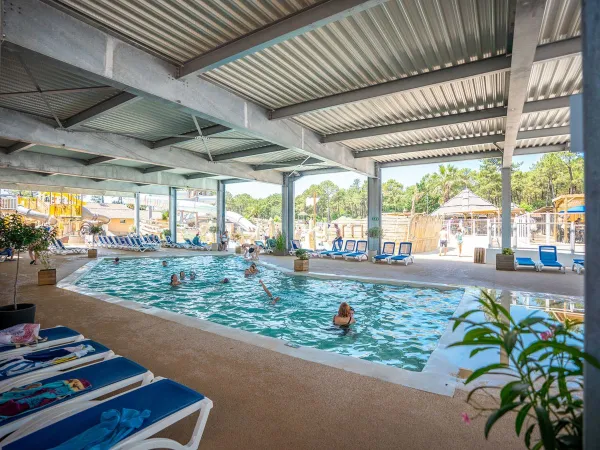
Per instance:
{"type": "Point", "coordinates": [396, 325]}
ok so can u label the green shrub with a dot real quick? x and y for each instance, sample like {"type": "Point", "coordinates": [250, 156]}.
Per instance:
{"type": "Point", "coordinates": [508, 251]}
{"type": "Point", "coordinates": [280, 242]}
{"type": "Point", "coordinates": [302, 254]}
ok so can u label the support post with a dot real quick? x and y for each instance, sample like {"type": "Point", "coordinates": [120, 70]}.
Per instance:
{"type": "Point", "coordinates": [572, 237]}
{"type": "Point", "coordinates": [173, 213]}
{"type": "Point", "coordinates": [136, 214]}
{"type": "Point", "coordinates": [374, 201]}
{"type": "Point", "coordinates": [220, 211]}
{"type": "Point", "coordinates": [488, 227]}
{"type": "Point", "coordinates": [287, 209]}
{"type": "Point", "coordinates": [548, 228]}
{"type": "Point", "coordinates": [591, 118]}
{"type": "Point", "coordinates": [506, 208]}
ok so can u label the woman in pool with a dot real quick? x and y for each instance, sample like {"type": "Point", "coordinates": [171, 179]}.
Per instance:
{"type": "Point", "coordinates": [252, 270]}
{"type": "Point", "coordinates": [174, 280]}
{"type": "Point", "coordinates": [182, 275]}
{"type": "Point", "coordinates": [345, 316]}
{"type": "Point", "coordinates": [192, 275]}
{"type": "Point", "coordinates": [164, 264]}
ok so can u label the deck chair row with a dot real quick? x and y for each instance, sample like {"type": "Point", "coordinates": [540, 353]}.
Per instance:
{"type": "Point", "coordinates": [357, 250]}
{"type": "Point", "coordinates": [548, 258]}
{"type": "Point", "coordinates": [134, 243]}
{"type": "Point", "coordinates": [105, 374]}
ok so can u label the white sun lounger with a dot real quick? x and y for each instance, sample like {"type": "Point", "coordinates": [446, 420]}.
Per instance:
{"type": "Point", "coordinates": [53, 337]}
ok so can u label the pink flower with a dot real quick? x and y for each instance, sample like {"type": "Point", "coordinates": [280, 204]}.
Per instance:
{"type": "Point", "coordinates": [545, 335]}
{"type": "Point", "coordinates": [465, 418]}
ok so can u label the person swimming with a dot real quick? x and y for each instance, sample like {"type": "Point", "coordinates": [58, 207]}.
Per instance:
{"type": "Point", "coordinates": [273, 299]}
{"type": "Point", "coordinates": [192, 275]}
{"type": "Point", "coordinates": [345, 315]}
{"type": "Point", "coordinates": [116, 261]}
{"type": "Point", "coordinates": [164, 264]}
{"type": "Point", "coordinates": [225, 280]}
{"type": "Point", "coordinates": [252, 270]}
{"type": "Point", "coordinates": [174, 280]}
{"type": "Point", "coordinates": [182, 275]}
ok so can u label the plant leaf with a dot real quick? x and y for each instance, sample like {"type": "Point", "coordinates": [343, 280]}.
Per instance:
{"type": "Point", "coordinates": [521, 418]}
{"type": "Point", "coordinates": [483, 370]}
{"type": "Point", "coordinates": [546, 428]}
{"type": "Point", "coordinates": [528, 435]}
{"type": "Point", "coordinates": [497, 415]}
{"type": "Point", "coordinates": [511, 391]}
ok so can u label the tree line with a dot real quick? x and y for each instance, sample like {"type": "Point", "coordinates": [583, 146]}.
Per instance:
{"type": "Point", "coordinates": [553, 175]}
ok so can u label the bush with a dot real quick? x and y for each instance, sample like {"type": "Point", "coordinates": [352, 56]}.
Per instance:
{"type": "Point", "coordinates": [165, 215]}
{"type": "Point", "coordinates": [166, 233]}
{"type": "Point", "coordinates": [375, 232]}
{"type": "Point", "coordinates": [280, 242]}
{"type": "Point", "coordinates": [508, 251]}
{"type": "Point", "coordinates": [302, 254]}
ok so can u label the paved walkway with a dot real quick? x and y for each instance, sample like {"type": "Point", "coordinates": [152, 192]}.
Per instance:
{"type": "Point", "coordinates": [264, 399]}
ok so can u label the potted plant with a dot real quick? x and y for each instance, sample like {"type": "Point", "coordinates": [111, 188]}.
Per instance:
{"type": "Point", "coordinates": [16, 234]}
{"type": "Point", "coordinates": [47, 275]}
{"type": "Point", "coordinates": [375, 234]}
{"type": "Point", "coordinates": [213, 233]}
{"type": "Point", "coordinates": [301, 261]}
{"type": "Point", "coordinates": [94, 231]}
{"type": "Point", "coordinates": [505, 260]}
{"type": "Point", "coordinates": [542, 361]}
{"type": "Point", "coordinates": [279, 245]}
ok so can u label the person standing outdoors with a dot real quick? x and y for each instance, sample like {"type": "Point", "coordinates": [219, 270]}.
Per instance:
{"type": "Point", "coordinates": [338, 234]}
{"type": "Point", "coordinates": [459, 241]}
{"type": "Point", "coordinates": [443, 242]}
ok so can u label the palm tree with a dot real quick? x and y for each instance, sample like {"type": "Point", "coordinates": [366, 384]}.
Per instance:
{"type": "Point", "coordinates": [449, 179]}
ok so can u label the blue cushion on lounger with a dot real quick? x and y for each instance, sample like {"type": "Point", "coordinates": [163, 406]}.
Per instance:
{"type": "Point", "coordinates": [162, 398]}
{"type": "Point", "coordinates": [99, 375]}
{"type": "Point", "coordinates": [525, 262]}
{"type": "Point", "coordinates": [51, 334]}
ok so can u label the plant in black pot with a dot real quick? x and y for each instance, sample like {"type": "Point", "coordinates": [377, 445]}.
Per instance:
{"type": "Point", "coordinates": [16, 234]}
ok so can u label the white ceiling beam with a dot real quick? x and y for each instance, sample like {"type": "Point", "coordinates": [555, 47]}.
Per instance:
{"type": "Point", "coordinates": [208, 131]}
{"type": "Point", "coordinates": [92, 52]}
{"type": "Point", "coordinates": [57, 91]}
{"type": "Point", "coordinates": [250, 152]}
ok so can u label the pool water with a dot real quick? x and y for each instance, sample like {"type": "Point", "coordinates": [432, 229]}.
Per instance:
{"type": "Point", "coordinates": [396, 325]}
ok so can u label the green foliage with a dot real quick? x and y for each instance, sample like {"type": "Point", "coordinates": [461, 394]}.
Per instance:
{"type": "Point", "coordinates": [166, 233]}
{"type": "Point", "coordinates": [280, 242]}
{"type": "Point", "coordinates": [544, 361]}
{"type": "Point", "coordinates": [302, 254]}
{"type": "Point", "coordinates": [96, 229]}
{"type": "Point", "coordinates": [212, 229]}
{"type": "Point", "coordinates": [165, 215]}
{"type": "Point", "coordinates": [508, 251]}
{"type": "Point", "coordinates": [375, 232]}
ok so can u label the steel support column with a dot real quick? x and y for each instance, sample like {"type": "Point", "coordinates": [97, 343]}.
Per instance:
{"type": "Point", "coordinates": [220, 210]}
{"type": "Point", "coordinates": [506, 208]}
{"type": "Point", "coordinates": [374, 201]}
{"type": "Point", "coordinates": [173, 213]}
{"type": "Point", "coordinates": [591, 120]}
{"type": "Point", "coordinates": [287, 209]}
{"type": "Point", "coordinates": [136, 213]}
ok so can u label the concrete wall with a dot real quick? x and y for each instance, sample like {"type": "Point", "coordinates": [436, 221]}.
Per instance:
{"type": "Point", "coordinates": [116, 227]}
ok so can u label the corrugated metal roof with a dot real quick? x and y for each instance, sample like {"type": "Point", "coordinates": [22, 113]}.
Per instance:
{"type": "Point", "coordinates": [556, 78]}
{"type": "Point", "coordinates": [460, 96]}
{"type": "Point", "coordinates": [433, 153]}
{"type": "Point", "coordinates": [146, 119]}
{"type": "Point", "coordinates": [390, 41]}
{"type": "Point", "coordinates": [224, 143]}
{"type": "Point", "coordinates": [463, 130]}
{"type": "Point", "coordinates": [273, 157]}
{"type": "Point", "coordinates": [562, 20]}
{"type": "Point", "coordinates": [182, 30]}
{"type": "Point", "coordinates": [545, 119]}
{"type": "Point", "coordinates": [540, 142]}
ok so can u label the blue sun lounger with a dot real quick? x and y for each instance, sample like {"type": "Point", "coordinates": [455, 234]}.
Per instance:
{"type": "Point", "coordinates": [51, 338]}
{"type": "Point", "coordinates": [525, 262]}
{"type": "Point", "coordinates": [360, 253]}
{"type": "Point", "coordinates": [388, 250]}
{"type": "Point", "coordinates": [337, 247]}
{"type": "Point", "coordinates": [404, 254]}
{"type": "Point", "coordinates": [168, 403]}
{"type": "Point", "coordinates": [578, 265]}
{"type": "Point", "coordinates": [348, 248]}
{"type": "Point", "coordinates": [104, 377]}
{"type": "Point", "coordinates": [549, 258]}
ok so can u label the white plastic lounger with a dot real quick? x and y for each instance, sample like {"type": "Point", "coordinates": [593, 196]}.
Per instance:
{"type": "Point", "coordinates": [168, 403]}
{"type": "Point", "coordinates": [52, 337]}
{"type": "Point", "coordinates": [349, 247]}
{"type": "Point", "coordinates": [404, 254]}
{"type": "Point", "coordinates": [104, 377]}
{"type": "Point", "coordinates": [360, 252]}
{"type": "Point", "coordinates": [578, 265]}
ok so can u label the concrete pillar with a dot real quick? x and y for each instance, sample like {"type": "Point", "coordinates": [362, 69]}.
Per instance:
{"type": "Point", "coordinates": [548, 228]}
{"type": "Point", "coordinates": [506, 208]}
{"type": "Point", "coordinates": [173, 213]}
{"type": "Point", "coordinates": [591, 118]}
{"type": "Point", "coordinates": [136, 213]}
{"type": "Point", "coordinates": [220, 210]}
{"type": "Point", "coordinates": [287, 209]}
{"type": "Point", "coordinates": [374, 201]}
{"type": "Point", "coordinates": [572, 237]}
{"type": "Point", "coordinates": [488, 227]}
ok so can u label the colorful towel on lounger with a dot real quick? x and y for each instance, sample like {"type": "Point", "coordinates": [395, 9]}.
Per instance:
{"type": "Point", "coordinates": [114, 426]}
{"type": "Point", "coordinates": [36, 395]}
{"type": "Point", "coordinates": [23, 364]}
{"type": "Point", "coordinates": [22, 334]}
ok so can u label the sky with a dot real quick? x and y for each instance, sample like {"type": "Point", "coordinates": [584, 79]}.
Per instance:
{"type": "Point", "coordinates": [407, 175]}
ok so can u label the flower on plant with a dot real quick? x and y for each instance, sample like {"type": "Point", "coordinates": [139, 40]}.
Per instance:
{"type": "Point", "coordinates": [465, 418]}
{"type": "Point", "coordinates": [546, 335]}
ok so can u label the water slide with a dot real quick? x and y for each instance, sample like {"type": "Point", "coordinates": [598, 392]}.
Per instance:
{"type": "Point", "coordinates": [89, 216]}
{"type": "Point", "coordinates": [36, 215]}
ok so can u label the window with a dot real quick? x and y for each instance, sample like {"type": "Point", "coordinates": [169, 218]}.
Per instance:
{"type": "Point", "coordinates": [123, 221]}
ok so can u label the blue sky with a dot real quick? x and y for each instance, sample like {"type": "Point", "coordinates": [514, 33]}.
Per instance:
{"type": "Point", "coordinates": [406, 175]}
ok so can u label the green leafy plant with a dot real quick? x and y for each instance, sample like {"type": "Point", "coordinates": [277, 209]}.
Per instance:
{"type": "Point", "coordinates": [18, 235]}
{"type": "Point", "coordinates": [375, 232]}
{"type": "Point", "coordinates": [166, 233]}
{"type": "Point", "coordinates": [302, 254]}
{"type": "Point", "coordinates": [544, 361]}
{"type": "Point", "coordinates": [165, 215]}
{"type": "Point", "coordinates": [280, 242]}
{"type": "Point", "coordinates": [212, 229]}
{"type": "Point", "coordinates": [95, 230]}
{"type": "Point", "coordinates": [508, 251]}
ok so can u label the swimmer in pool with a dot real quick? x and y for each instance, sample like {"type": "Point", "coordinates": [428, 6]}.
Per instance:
{"type": "Point", "coordinates": [174, 280]}
{"type": "Point", "coordinates": [225, 280]}
{"type": "Point", "coordinates": [345, 316]}
{"type": "Point", "coordinates": [182, 275]}
{"type": "Point", "coordinates": [252, 270]}
{"type": "Point", "coordinates": [192, 275]}
{"type": "Point", "coordinates": [273, 299]}
{"type": "Point", "coordinates": [164, 264]}
{"type": "Point", "coordinates": [116, 261]}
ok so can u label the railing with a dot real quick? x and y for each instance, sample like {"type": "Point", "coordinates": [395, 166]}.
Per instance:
{"type": "Point", "coordinates": [8, 203]}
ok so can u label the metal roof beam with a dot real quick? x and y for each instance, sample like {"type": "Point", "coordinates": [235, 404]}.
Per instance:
{"type": "Point", "coordinates": [546, 105]}
{"type": "Point", "coordinates": [303, 21]}
{"type": "Point", "coordinates": [208, 131]}
{"type": "Point", "coordinates": [40, 162]}
{"type": "Point", "coordinates": [19, 126]}
{"type": "Point", "coordinates": [452, 119]}
{"type": "Point", "coordinates": [18, 147]}
{"type": "Point", "coordinates": [558, 50]}
{"type": "Point", "coordinates": [538, 150]}
{"type": "Point", "coordinates": [118, 101]}
{"type": "Point", "coordinates": [542, 132]}
{"type": "Point", "coordinates": [98, 160]}
{"type": "Point", "coordinates": [250, 152]}
{"type": "Point", "coordinates": [155, 169]}
{"type": "Point", "coordinates": [57, 91]}
{"type": "Point", "coordinates": [324, 171]}
{"type": "Point", "coordinates": [443, 159]}
{"type": "Point", "coordinates": [61, 40]}
{"type": "Point", "coordinates": [284, 164]}
{"type": "Point", "coordinates": [528, 23]}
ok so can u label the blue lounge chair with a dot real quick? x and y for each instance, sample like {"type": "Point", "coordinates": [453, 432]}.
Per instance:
{"type": "Point", "coordinates": [337, 247]}
{"type": "Point", "coordinates": [360, 253]}
{"type": "Point", "coordinates": [525, 262]}
{"type": "Point", "coordinates": [51, 338]}
{"type": "Point", "coordinates": [388, 250]}
{"type": "Point", "coordinates": [66, 250]}
{"type": "Point", "coordinates": [404, 254]}
{"type": "Point", "coordinates": [549, 258]}
{"type": "Point", "coordinates": [264, 246]}
{"type": "Point", "coordinates": [349, 247]}
{"type": "Point", "coordinates": [172, 244]}
{"type": "Point", "coordinates": [578, 265]}
{"type": "Point", "coordinates": [295, 245]}
{"type": "Point", "coordinates": [167, 401]}
{"type": "Point", "coordinates": [105, 377]}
